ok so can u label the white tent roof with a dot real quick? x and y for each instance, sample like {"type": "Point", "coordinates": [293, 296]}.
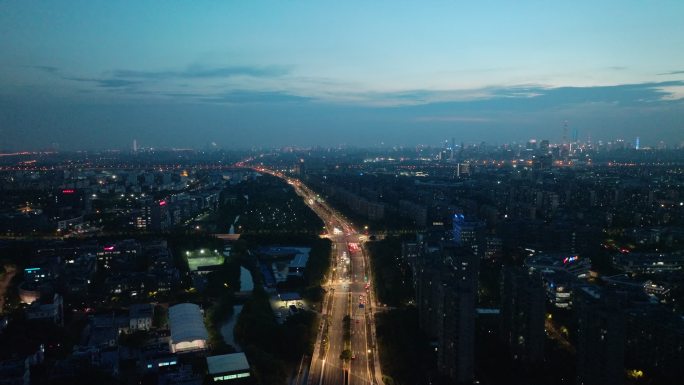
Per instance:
{"type": "Point", "coordinates": [186, 323]}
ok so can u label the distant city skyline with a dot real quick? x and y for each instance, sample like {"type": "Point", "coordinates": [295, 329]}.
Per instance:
{"type": "Point", "coordinates": [98, 75]}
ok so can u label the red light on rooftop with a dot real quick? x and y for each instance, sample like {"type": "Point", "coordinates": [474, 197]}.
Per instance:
{"type": "Point", "coordinates": [68, 191]}
{"type": "Point", "coordinates": [162, 203]}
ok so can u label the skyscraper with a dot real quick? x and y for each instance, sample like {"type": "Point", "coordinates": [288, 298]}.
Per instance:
{"type": "Point", "coordinates": [469, 233]}
{"type": "Point", "coordinates": [600, 337]}
{"type": "Point", "coordinates": [522, 314]}
{"type": "Point", "coordinates": [544, 146]}
{"type": "Point", "coordinates": [447, 294]}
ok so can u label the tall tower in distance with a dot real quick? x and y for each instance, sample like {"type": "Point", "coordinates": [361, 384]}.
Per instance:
{"type": "Point", "coordinates": [636, 143]}
{"type": "Point", "coordinates": [565, 132]}
{"type": "Point", "coordinates": [135, 145]}
{"type": "Point", "coordinates": [453, 148]}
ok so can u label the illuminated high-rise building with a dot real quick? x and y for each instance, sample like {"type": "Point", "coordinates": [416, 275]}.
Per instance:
{"type": "Point", "coordinates": [469, 233]}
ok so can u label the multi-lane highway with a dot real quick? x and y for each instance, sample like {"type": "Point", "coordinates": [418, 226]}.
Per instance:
{"type": "Point", "coordinates": [349, 292]}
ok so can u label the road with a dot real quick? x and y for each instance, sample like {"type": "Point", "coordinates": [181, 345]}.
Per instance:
{"type": "Point", "coordinates": [555, 334]}
{"type": "Point", "coordinates": [349, 292]}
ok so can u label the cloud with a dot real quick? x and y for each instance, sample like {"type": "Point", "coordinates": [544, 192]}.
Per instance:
{"type": "Point", "coordinates": [47, 69]}
{"type": "Point", "coordinates": [681, 72]}
{"type": "Point", "coordinates": [200, 72]}
{"type": "Point", "coordinates": [254, 97]}
{"type": "Point", "coordinates": [623, 94]}
{"type": "Point", "coordinates": [673, 92]}
{"type": "Point", "coordinates": [463, 102]}
{"type": "Point", "coordinates": [106, 83]}
{"type": "Point", "coordinates": [126, 78]}
{"type": "Point", "coordinates": [522, 91]}
{"type": "Point", "coordinates": [453, 119]}
{"type": "Point", "coordinates": [273, 85]}
{"type": "Point", "coordinates": [534, 96]}
{"type": "Point", "coordinates": [185, 95]}
{"type": "Point", "coordinates": [410, 97]}
{"type": "Point", "coordinates": [99, 82]}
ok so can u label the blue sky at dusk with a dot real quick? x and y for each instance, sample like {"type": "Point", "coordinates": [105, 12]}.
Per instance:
{"type": "Point", "coordinates": [97, 74]}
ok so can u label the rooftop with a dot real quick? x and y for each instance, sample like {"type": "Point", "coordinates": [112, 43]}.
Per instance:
{"type": "Point", "coordinates": [140, 310]}
{"type": "Point", "coordinates": [283, 251]}
{"type": "Point", "coordinates": [227, 363]}
{"type": "Point", "coordinates": [187, 323]}
{"type": "Point", "coordinates": [299, 261]}
{"type": "Point", "coordinates": [290, 296]}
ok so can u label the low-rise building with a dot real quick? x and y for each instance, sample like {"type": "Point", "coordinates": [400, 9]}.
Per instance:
{"type": "Point", "coordinates": [649, 263]}
{"type": "Point", "coordinates": [48, 310]}
{"type": "Point", "coordinates": [572, 263]}
{"type": "Point", "coordinates": [140, 316]}
{"type": "Point", "coordinates": [230, 368]}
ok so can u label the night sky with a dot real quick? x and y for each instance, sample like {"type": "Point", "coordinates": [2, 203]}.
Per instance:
{"type": "Point", "coordinates": [98, 74]}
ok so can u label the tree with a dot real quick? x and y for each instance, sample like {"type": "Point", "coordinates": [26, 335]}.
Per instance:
{"type": "Point", "coordinates": [346, 355]}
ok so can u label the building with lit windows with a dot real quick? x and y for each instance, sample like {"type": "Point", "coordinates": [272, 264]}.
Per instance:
{"type": "Point", "coordinates": [650, 263]}
{"type": "Point", "coordinates": [522, 314]}
{"type": "Point", "coordinates": [48, 309]}
{"type": "Point", "coordinates": [140, 316]}
{"type": "Point", "coordinates": [229, 368]}
{"type": "Point", "coordinates": [559, 288]}
{"type": "Point", "coordinates": [123, 251]}
{"type": "Point", "coordinates": [572, 263]}
{"type": "Point", "coordinates": [469, 233]}
{"type": "Point", "coordinates": [160, 217]}
{"type": "Point", "coordinates": [446, 287]}
{"type": "Point", "coordinates": [143, 218]}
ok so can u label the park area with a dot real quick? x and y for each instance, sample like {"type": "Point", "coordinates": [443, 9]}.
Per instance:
{"type": "Point", "coordinates": [203, 258]}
